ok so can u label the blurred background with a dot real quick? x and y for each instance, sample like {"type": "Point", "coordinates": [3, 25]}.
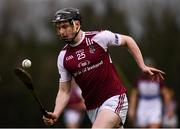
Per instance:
{"type": "Point", "coordinates": [26, 31]}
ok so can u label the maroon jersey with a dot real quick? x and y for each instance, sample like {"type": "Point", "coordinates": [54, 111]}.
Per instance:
{"type": "Point", "coordinates": [90, 64]}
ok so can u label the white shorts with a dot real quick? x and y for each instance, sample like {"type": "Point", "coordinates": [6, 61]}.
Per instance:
{"type": "Point", "coordinates": [149, 112]}
{"type": "Point", "coordinates": [72, 116]}
{"type": "Point", "coordinates": [118, 104]}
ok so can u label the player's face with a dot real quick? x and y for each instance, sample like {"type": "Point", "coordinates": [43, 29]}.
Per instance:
{"type": "Point", "coordinates": [65, 30]}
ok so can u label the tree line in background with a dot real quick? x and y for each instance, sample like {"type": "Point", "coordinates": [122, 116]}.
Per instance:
{"type": "Point", "coordinates": [160, 41]}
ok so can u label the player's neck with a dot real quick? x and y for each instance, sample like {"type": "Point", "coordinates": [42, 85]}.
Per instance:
{"type": "Point", "coordinates": [79, 36]}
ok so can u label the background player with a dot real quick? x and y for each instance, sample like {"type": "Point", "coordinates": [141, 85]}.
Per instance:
{"type": "Point", "coordinates": [85, 57]}
{"type": "Point", "coordinates": [146, 103]}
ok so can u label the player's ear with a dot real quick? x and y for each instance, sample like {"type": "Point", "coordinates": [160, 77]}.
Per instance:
{"type": "Point", "coordinates": [77, 23]}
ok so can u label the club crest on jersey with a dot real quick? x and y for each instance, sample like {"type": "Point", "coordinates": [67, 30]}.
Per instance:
{"type": "Point", "coordinates": [92, 49]}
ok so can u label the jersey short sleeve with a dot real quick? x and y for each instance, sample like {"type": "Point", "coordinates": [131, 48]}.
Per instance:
{"type": "Point", "coordinates": [64, 74]}
{"type": "Point", "coordinates": [107, 38]}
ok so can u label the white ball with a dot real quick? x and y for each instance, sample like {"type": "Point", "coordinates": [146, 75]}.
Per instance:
{"type": "Point", "coordinates": [26, 63]}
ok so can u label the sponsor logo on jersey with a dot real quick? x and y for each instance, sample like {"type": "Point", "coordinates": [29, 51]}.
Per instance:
{"type": "Point", "coordinates": [83, 63]}
{"type": "Point", "coordinates": [69, 57]}
{"type": "Point", "coordinates": [87, 68]}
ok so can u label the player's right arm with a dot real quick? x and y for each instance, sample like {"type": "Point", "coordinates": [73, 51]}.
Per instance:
{"type": "Point", "coordinates": [63, 94]}
{"type": "Point", "coordinates": [62, 99]}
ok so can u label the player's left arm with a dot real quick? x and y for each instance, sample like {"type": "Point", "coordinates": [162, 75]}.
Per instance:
{"type": "Point", "coordinates": [136, 53]}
